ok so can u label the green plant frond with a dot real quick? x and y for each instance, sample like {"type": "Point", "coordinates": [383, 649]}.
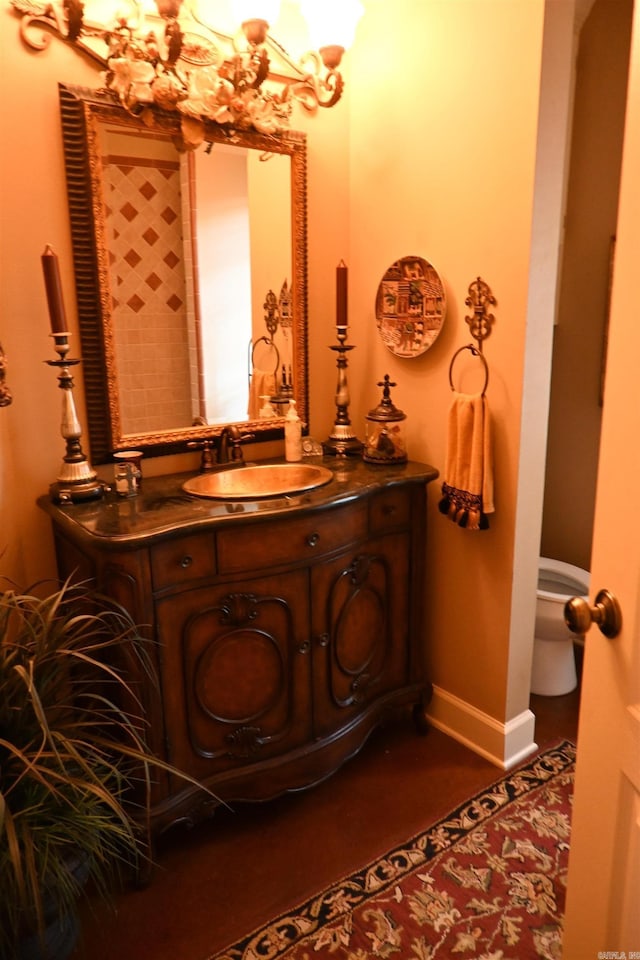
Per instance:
{"type": "Point", "coordinates": [85, 704]}
{"type": "Point", "coordinates": [98, 796]}
{"type": "Point", "coordinates": [39, 711]}
{"type": "Point", "coordinates": [100, 666]}
{"type": "Point", "coordinates": [98, 748]}
{"type": "Point", "coordinates": [93, 709]}
{"type": "Point", "coordinates": [34, 890]}
{"type": "Point", "coordinates": [48, 767]}
{"type": "Point", "coordinates": [100, 719]}
{"type": "Point", "coordinates": [105, 763]}
{"type": "Point", "coordinates": [29, 766]}
{"type": "Point", "coordinates": [87, 627]}
{"type": "Point", "coordinates": [14, 856]}
{"type": "Point", "coordinates": [139, 646]}
{"type": "Point", "coordinates": [34, 697]}
{"type": "Point", "coordinates": [99, 759]}
{"type": "Point", "coordinates": [76, 769]}
{"type": "Point", "coordinates": [92, 767]}
{"type": "Point", "coordinates": [18, 752]}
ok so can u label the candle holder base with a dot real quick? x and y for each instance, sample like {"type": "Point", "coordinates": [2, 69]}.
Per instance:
{"type": "Point", "coordinates": [77, 481]}
{"type": "Point", "coordinates": [80, 492]}
{"type": "Point", "coordinates": [342, 442]}
{"type": "Point", "coordinates": [339, 446]}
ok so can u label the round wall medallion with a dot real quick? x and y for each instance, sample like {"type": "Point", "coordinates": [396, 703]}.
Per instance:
{"type": "Point", "coordinates": [410, 306]}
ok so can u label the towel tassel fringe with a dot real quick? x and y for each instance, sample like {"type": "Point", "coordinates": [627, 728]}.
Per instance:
{"type": "Point", "coordinates": [471, 519]}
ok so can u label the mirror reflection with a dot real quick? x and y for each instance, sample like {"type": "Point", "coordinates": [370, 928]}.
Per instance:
{"type": "Point", "coordinates": [193, 313]}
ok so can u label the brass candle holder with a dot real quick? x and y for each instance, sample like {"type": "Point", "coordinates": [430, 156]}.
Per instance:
{"type": "Point", "coordinates": [342, 441]}
{"type": "Point", "coordinates": [77, 481]}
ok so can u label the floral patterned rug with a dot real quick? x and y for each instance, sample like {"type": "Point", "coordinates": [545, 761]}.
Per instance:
{"type": "Point", "coordinates": [486, 882]}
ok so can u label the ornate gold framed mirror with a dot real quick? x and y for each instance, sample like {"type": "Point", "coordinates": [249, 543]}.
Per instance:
{"type": "Point", "coordinates": [191, 275]}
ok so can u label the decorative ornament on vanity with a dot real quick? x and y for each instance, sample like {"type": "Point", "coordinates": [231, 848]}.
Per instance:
{"type": "Point", "coordinates": [77, 480]}
{"type": "Point", "coordinates": [342, 441]}
{"type": "Point", "coordinates": [385, 435]}
{"type": "Point", "coordinates": [410, 307]}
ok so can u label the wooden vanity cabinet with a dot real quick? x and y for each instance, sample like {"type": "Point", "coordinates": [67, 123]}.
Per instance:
{"type": "Point", "coordinates": [280, 641]}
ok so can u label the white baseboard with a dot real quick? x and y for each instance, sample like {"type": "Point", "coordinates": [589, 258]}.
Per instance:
{"type": "Point", "coordinates": [504, 744]}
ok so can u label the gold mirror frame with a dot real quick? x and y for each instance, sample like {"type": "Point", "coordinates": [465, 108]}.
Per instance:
{"type": "Point", "coordinates": [81, 109]}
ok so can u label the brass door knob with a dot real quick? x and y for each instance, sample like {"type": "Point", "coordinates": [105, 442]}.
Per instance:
{"type": "Point", "coordinates": [579, 615]}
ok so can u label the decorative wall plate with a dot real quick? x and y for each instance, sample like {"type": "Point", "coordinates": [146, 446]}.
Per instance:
{"type": "Point", "coordinates": [410, 306]}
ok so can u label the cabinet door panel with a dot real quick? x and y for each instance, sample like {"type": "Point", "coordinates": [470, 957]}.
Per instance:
{"type": "Point", "coordinates": [360, 630]}
{"type": "Point", "coordinates": [235, 672]}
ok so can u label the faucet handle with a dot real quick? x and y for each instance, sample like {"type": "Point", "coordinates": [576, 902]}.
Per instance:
{"type": "Point", "coordinates": [237, 439]}
{"type": "Point", "coordinates": [208, 458]}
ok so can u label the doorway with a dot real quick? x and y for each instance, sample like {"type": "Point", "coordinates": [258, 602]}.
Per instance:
{"type": "Point", "coordinates": [563, 23]}
{"type": "Point", "coordinates": [585, 264]}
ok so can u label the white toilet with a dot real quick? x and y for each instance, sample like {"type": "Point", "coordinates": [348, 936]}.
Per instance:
{"type": "Point", "coordinates": [554, 666]}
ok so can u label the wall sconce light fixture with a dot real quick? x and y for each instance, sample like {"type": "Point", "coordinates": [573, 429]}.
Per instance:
{"type": "Point", "coordinates": [173, 59]}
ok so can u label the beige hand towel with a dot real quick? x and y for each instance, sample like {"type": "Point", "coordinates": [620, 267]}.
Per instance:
{"type": "Point", "coordinates": [468, 478]}
{"type": "Point", "coordinates": [262, 385]}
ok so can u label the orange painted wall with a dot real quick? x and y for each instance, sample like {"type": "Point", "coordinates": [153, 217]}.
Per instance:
{"type": "Point", "coordinates": [444, 101]}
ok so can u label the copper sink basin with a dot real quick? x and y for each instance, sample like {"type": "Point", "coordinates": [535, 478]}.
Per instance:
{"type": "Point", "coordinates": [262, 480]}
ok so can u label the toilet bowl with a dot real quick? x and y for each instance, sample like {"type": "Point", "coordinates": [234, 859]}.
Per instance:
{"type": "Point", "coordinates": [554, 666]}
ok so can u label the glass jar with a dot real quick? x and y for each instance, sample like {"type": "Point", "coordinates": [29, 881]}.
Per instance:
{"type": "Point", "coordinates": [385, 440]}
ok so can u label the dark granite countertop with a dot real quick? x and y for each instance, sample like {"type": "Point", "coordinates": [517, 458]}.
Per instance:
{"type": "Point", "coordinates": [162, 506]}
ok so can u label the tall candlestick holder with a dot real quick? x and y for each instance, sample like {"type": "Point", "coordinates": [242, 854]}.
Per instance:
{"type": "Point", "coordinates": [77, 480]}
{"type": "Point", "coordinates": [342, 441]}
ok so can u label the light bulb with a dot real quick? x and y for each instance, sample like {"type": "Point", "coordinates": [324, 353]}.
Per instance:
{"type": "Point", "coordinates": [332, 22]}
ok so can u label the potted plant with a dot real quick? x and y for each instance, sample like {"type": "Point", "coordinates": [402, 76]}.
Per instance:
{"type": "Point", "coordinates": [71, 760]}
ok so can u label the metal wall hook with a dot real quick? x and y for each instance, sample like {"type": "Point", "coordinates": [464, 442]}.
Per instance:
{"type": "Point", "coordinates": [480, 298]}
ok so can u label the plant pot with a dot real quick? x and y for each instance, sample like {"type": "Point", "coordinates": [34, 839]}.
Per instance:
{"type": "Point", "coordinates": [60, 934]}
{"type": "Point", "coordinates": [57, 942]}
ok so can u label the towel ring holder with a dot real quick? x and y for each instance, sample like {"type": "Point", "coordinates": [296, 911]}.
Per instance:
{"type": "Point", "coordinates": [252, 350]}
{"type": "Point", "coordinates": [480, 298]}
{"type": "Point", "coordinates": [476, 353]}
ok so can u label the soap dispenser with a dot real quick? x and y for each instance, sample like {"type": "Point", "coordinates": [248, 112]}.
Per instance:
{"type": "Point", "coordinates": [292, 434]}
{"type": "Point", "coordinates": [385, 438]}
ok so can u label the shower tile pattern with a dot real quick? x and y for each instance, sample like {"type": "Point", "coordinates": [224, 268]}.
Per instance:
{"type": "Point", "coordinates": [144, 223]}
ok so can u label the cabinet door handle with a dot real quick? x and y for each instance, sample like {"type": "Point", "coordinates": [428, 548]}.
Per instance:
{"type": "Point", "coordinates": [323, 639]}
{"type": "Point", "coordinates": [186, 562]}
{"type": "Point", "coordinates": [313, 539]}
